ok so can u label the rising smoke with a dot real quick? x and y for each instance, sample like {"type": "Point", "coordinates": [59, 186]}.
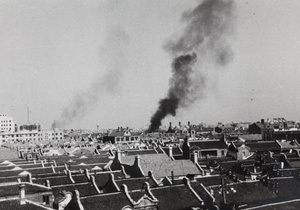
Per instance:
{"type": "Point", "coordinates": [202, 41]}
{"type": "Point", "coordinates": [86, 101]}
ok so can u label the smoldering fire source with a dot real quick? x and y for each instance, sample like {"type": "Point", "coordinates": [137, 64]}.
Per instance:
{"type": "Point", "coordinates": [202, 41]}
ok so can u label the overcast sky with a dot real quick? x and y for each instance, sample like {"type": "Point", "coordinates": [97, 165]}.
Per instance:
{"type": "Point", "coordinates": [53, 51]}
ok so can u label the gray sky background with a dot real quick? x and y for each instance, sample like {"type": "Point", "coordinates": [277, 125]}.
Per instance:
{"type": "Point", "coordinates": [51, 50]}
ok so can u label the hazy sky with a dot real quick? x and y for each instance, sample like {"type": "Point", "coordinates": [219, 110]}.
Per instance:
{"type": "Point", "coordinates": [51, 51]}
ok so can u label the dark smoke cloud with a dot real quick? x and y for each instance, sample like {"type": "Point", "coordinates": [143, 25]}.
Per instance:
{"type": "Point", "coordinates": [86, 101]}
{"type": "Point", "coordinates": [207, 28]}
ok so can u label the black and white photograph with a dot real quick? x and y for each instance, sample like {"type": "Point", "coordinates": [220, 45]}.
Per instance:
{"type": "Point", "coordinates": [149, 105]}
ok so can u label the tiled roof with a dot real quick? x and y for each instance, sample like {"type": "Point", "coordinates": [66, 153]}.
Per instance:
{"type": "Point", "coordinates": [135, 183]}
{"type": "Point", "coordinates": [208, 144]}
{"type": "Point", "coordinates": [291, 205]}
{"type": "Point", "coordinates": [137, 194]}
{"type": "Point", "coordinates": [8, 173]}
{"type": "Point", "coordinates": [129, 160]}
{"type": "Point", "coordinates": [83, 166]}
{"type": "Point", "coordinates": [13, 179]}
{"type": "Point", "coordinates": [243, 193]}
{"type": "Point", "coordinates": [288, 145]}
{"type": "Point", "coordinates": [209, 180]}
{"type": "Point", "coordinates": [260, 146]}
{"type": "Point", "coordinates": [294, 163]}
{"type": "Point", "coordinates": [140, 152]}
{"type": "Point", "coordinates": [85, 189]}
{"type": "Point", "coordinates": [15, 205]}
{"type": "Point", "coordinates": [110, 201]}
{"type": "Point", "coordinates": [102, 178]}
{"type": "Point", "coordinates": [175, 150]}
{"type": "Point", "coordinates": [11, 190]}
{"type": "Point", "coordinates": [287, 187]}
{"type": "Point", "coordinates": [251, 137]}
{"type": "Point", "coordinates": [161, 165]}
{"type": "Point", "coordinates": [56, 180]}
{"type": "Point", "coordinates": [175, 197]}
{"type": "Point", "coordinates": [80, 178]}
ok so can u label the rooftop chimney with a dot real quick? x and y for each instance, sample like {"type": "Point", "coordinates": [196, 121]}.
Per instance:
{"type": "Point", "coordinates": [262, 121]}
{"type": "Point", "coordinates": [170, 151]}
{"type": "Point", "coordinates": [179, 124]}
{"type": "Point", "coordinates": [195, 159]}
{"type": "Point", "coordinates": [137, 161]}
{"type": "Point", "coordinates": [223, 190]}
{"type": "Point", "coordinates": [22, 193]}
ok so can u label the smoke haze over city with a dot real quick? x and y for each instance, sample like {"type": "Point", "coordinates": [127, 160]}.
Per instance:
{"type": "Point", "coordinates": [78, 64]}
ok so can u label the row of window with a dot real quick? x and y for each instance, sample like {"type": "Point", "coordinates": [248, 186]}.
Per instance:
{"type": "Point", "coordinates": [5, 124]}
{"type": "Point", "coordinates": [3, 136]}
{"type": "Point", "coordinates": [127, 138]}
{"type": "Point", "coordinates": [5, 121]}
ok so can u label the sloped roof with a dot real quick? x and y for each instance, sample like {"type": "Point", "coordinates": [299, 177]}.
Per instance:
{"type": "Point", "coordinates": [260, 145]}
{"type": "Point", "coordinates": [85, 189]}
{"type": "Point", "coordinates": [109, 201]}
{"type": "Point", "coordinates": [288, 145]}
{"type": "Point", "coordinates": [140, 151]}
{"type": "Point", "coordinates": [56, 180]}
{"type": "Point", "coordinates": [176, 197]}
{"type": "Point", "coordinates": [287, 187]}
{"type": "Point", "coordinates": [208, 144]}
{"type": "Point", "coordinates": [161, 165]}
{"type": "Point", "coordinates": [250, 137]}
{"type": "Point", "coordinates": [15, 204]}
{"type": "Point", "coordinates": [135, 183]}
{"type": "Point", "coordinates": [175, 150]}
{"type": "Point", "coordinates": [243, 193]}
{"type": "Point", "coordinates": [13, 189]}
{"type": "Point", "coordinates": [102, 177]}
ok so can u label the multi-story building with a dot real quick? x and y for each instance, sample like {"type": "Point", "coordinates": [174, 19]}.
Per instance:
{"type": "Point", "coordinates": [55, 134]}
{"type": "Point", "coordinates": [7, 123]}
{"type": "Point", "coordinates": [30, 132]}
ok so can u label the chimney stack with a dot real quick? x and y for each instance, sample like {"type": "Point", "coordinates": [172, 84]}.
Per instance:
{"type": "Point", "coordinates": [170, 151]}
{"type": "Point", "coordinates": [262, 121]}
{"type": "Point", "coordinates": [119, 155]}
{"type": "Point", "coordinates": [189, 123]}
{"type": "Point", "coordinates": [195, 159]}
{"type": "Point", "coordinates": [224, 190]}
{"type": "Point", "coordinates": [22, 193]}
{"type": "Point", "coordinates": [179, 124]}
{"type": "Point", "coordinates": [137, 161]}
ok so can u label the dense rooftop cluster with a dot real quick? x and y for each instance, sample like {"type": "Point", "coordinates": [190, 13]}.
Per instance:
{"type": "Point", "coordinates": [228, 166]}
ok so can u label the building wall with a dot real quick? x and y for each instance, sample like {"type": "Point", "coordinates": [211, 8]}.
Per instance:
{"type": "Point", "coordinates": [6, 123]}
{"type": "Point", "coordinates": [33, 135]}
{"type": "Point", "coordinates": [243, 152]}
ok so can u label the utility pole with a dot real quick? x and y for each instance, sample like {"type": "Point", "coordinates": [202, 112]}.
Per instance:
{"type": "Point", "coordinates": [28, 120]}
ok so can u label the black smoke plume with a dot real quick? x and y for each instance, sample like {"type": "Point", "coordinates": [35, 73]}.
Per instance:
{"type": "Point", "coordinates": [86, 101]}
{"type": "Point", "coordinates": [203, 42]}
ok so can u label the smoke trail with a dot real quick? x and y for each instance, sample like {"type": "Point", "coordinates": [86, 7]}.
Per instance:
{"type": "Point", "coordinates": [116, 43]}
{"type": "Point", "coordinates": [206, 30]}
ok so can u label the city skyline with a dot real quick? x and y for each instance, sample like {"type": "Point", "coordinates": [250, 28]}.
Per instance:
{"type": "Point", "coordinates": [53, 50]}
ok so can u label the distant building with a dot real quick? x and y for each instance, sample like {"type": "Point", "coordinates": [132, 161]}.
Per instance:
{"type": "Point", "coordinates": [121, 136]}
{"type": "Point", "coordinates": [7, 124]}
{"type": "Point", "coordinates": [32, 132]}
{"type": "Point", "coordinates": [266, 129]}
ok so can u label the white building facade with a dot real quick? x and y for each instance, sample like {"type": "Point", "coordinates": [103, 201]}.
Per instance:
{"type": "Point", "coordinates": [7, 123]}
